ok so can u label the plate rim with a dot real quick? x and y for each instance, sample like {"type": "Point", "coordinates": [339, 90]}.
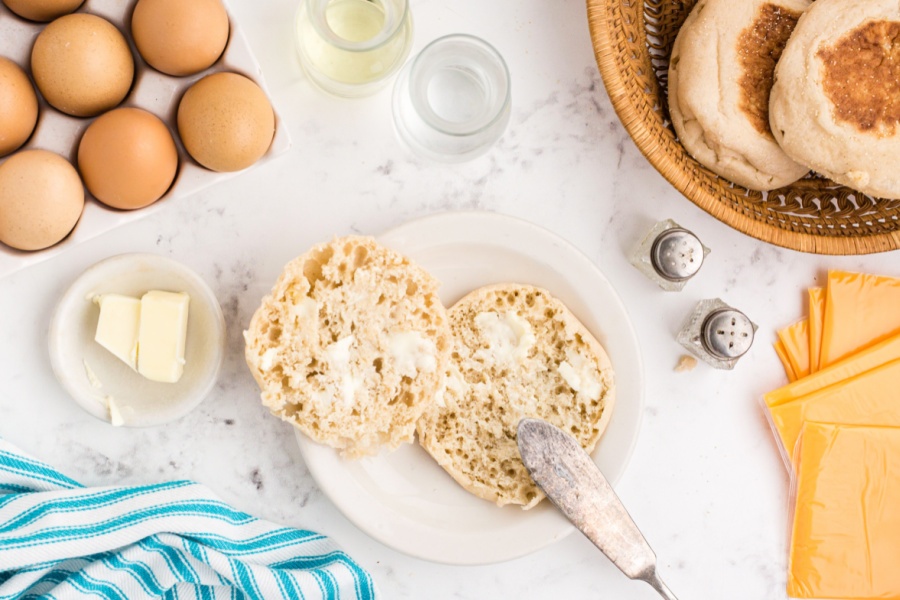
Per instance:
{"type": "Point", "coordinates": [344, 503]}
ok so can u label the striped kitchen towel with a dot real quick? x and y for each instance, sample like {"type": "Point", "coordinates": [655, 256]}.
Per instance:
{"type": "Point", "coordinates": [61, 540]}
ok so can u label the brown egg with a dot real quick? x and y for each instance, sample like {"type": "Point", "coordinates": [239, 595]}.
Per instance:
{"type": "Point", "coordinates": [180, 37]}
{"type": "Point", "coordinates": [127, 158]}
{"type": "Point", "coordinates": [82, 65]}
{"type": "Point", "coordinates": [226, 122]}
{"type": "Point", "coordinates": [42, 10]}
{"type": "Point", "coordinates": [18, 106]}
{"type": "Point", "coordinates": [41, 199]}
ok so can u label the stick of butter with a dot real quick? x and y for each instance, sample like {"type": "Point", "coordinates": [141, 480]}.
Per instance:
{"type": "Point", "coordinates": [117, 328]}
{"type": "Point", "coordinates": [147, 334]}
{"type": "Point", "coordinates": [163, 330]}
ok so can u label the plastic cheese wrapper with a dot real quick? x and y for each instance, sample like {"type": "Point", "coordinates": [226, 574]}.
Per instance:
{"type": "Point", "coordinates": [860, 310]}
{"type": "Point", "coordinates": [845, 533]}
{"type": "Point", "coordinates": [863, 389]}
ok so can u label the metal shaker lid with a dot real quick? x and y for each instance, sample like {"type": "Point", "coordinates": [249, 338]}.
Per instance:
{"type": "Point", "coordinates": [677, 254]}
{"type": "Point", "coordinates": [727, 333]}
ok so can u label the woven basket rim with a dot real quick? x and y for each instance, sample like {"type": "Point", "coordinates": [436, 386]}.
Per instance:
{"type": "Point", "coordinates": [614, 82]}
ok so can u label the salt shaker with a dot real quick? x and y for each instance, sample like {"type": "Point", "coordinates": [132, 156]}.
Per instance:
{"type": "Point", "coordinates": [669, 255]}
{"type": "Point", "coordinates": [717, 334]}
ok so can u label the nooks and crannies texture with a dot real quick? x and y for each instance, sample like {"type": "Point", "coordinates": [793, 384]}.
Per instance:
{"type": "Point", "coordinates": [351, 345]}
{"type": "Point", "coordinates": [519, 352]}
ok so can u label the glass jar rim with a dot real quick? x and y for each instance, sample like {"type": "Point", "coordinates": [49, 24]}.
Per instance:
{"type": "Point", "coordinates": [437, 122]}
{"type": "Point", "coordinates": [393, 24]}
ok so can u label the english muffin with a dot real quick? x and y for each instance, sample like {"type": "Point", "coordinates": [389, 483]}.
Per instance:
{"type": "Point", "coordinates": [518, 352]}
{"type": "Point", "coordinates": [720, 75]}
{"type": "Point", "coordinates": [351, 345]}
{"type": "Point", "coordinates": [835, 105]}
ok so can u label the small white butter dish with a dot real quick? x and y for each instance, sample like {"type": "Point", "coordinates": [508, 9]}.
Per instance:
{"type": "Point", "coordinates": [105, 386]}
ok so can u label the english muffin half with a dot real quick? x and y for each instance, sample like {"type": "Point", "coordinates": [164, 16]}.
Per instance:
{"type": "Point", "coordinates": [351, 345]}
{"type": "Point", "coordinates": [720, 76]}
{"type": "Point", "coordinates": [835, 105]}
{"type": "Point", "coordinates": [518, 352]}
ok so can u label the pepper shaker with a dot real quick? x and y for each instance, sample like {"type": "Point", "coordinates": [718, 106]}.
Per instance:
{"type": "Point", "coordinates": [717, 334]}
{"type": "Point", "coordinates": [669, 255]}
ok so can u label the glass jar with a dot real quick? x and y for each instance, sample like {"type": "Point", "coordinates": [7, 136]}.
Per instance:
{"type": "Point", "coordinates": [351, 48]}
{"type": "Point", "coordinates": [452, 102]}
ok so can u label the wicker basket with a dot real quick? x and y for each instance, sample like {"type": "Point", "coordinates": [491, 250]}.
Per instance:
{"type": "Point", "coordinates": [632, 41]}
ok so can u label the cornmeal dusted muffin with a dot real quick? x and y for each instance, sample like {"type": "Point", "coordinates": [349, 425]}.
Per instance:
{"type": "Point", "coordinates": [835, 105]}
{"type": "Point", "coordinates": [720, 75]}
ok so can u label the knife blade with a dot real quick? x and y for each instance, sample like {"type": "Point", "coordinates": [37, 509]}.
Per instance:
{"type": "Point", "coordinates": [565, 472]}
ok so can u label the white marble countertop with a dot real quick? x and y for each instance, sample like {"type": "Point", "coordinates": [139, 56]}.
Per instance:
{"type": "Point", "coordinates": [705, 484]}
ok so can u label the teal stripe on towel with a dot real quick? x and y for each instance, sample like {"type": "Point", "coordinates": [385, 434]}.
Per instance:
{"type": "Point", "coordinates": [152, 541]}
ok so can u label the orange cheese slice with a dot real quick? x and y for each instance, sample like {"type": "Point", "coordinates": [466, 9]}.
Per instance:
{"type": "Point", "coordinates": [816, 323]}
{"type": "Point", "coordinates": [870, 398]}
{"type": "Point", "coordinates": [860, 310]}
{"type": "Point", "coordinates": [795, 341]}
{"type": "Point", "coordinates": [785, 360]}
{"type": "Point", "coordinates": [845, 540]}
{"type": "Point", "coordinates": [874, 356]}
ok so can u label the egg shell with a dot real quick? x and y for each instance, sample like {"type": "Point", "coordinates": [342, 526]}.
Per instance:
{"type": "Point", "coordinates": [178, 37]}
{"type": "Point", "coordinates": [151, 90]}
{"type": "Point", "coordinates": [42, 10]}
{"type": "Point", "coordinates": [18, 106]}
{"type": "Point", "coordinates": [82, 65]}
{"type": "Point", "coordinates": [226, 122]}
{"type": "Point", "coordinates": [41, 199]}
{"type": "Point", "coordinates": [128, 158]}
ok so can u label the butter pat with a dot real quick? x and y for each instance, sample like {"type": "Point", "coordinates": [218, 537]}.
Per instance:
{"type": "Point", "coordinates": [509, 337]}
{"type": "Point", "coordinates": [338, 357]}
{"type": "Point", "coordinates": [412, 352]}
{"type": "Point", "coordinates": [115, 414]}
{"type": "Point", "coordinates": [161, 340]}
{"type": "Point", "coordinates": [118, 326]}
{"type": "Point", "coordinates": [581, 375]}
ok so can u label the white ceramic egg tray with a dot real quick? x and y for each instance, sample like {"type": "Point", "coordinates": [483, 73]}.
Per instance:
{"type": "Point", "coordinates": [153, 91]}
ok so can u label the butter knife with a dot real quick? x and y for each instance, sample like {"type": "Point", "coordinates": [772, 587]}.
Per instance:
{"type": "Point", "coordinates": [571, 480]}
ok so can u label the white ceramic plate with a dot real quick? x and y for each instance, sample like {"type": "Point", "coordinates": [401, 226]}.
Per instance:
{"type": "Point", "coordinates": [90, 374]}
{"type": "Point", "coordinates": [404, 499]}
